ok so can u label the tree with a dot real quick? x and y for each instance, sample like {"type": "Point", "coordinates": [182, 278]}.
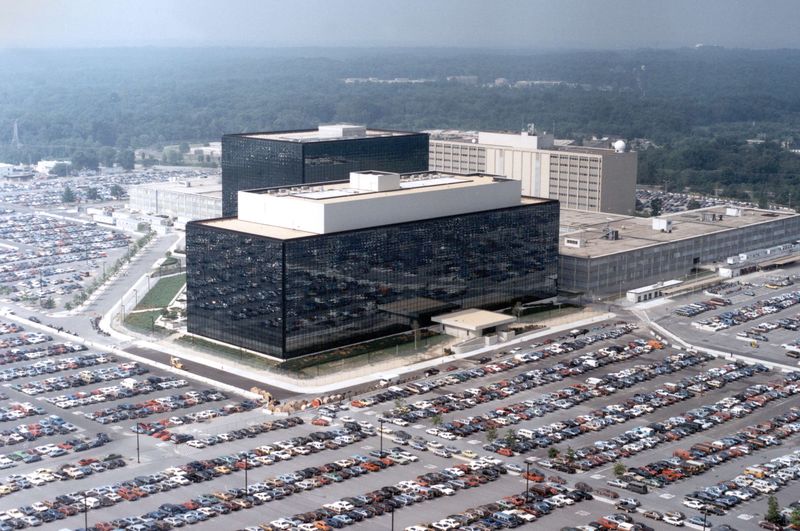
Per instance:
{"type": "Point", "coordinates": [171, 156]}
{"type": "Point", "coordinates": [570, 454]}
{"type": "Point", "coordinates": [61, 169]}
{"type": "Point", "coordinates": [655, 207]}
{"type": "Point", "coordinates": [773, 511]}
{"type": "Point", "coordinates": [552, 453]}
{"type": "Point", "coordinates": [48, 303]}
{"type": "Point", "coordinates": [491, 434]}
{"type": "Point", "coordinates": [510, 438]}
{"type": "Point", "coordinates": [693, 204]}
{"type": "Point", "coordinates": [399, 403]}
{"type": "Point", "coordinates": [795, 518]}
{"type": "Point", "coordinates": [117, 191]}
{"type": "Point", "coordinates": [91, 193]}
{"type": "Point", "coordinates": [68, 196]}
{"type": "Point", "coordinates": [107, 156]}
{"type": "Point", "coordinates": [436, 420]}
{"type": "Point", "coordinates": [517, 310]}
{"type": "Point", "coordinates": [183, 147]}
{"type": "Point", "coordinates": [619, 469]}
{"type": "Point", "coordinates": [127, 159]}
{"type": "Point", "coordinates": [85, 159]}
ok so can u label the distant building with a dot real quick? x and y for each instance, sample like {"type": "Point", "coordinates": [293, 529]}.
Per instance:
{"type": "Point", "coordinates": [210, 153]}
{"type": "Point", "coordinates": [329, 153]}
{"type": "Point", "coordinates": [593, 179]}
{"type": "Point", "coordinates": [603, 254]}
{"type": "Point", "coordinates": [308, 268]}
{"type": "Point", "coordinates": [186, 200]}
{"type": "Point", "coordinates": [46, 166]}
{"type": "Point", "coordinates": [11, 171]}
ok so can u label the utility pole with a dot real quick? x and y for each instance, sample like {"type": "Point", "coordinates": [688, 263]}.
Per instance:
{"type": "Point", "coordinates": [527, 481]}
{"type": "Point", "coordinates": [245, 473]}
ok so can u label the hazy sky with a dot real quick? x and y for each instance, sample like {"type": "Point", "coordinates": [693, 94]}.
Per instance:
{"type": "Point", "coordinates": [459, 23]}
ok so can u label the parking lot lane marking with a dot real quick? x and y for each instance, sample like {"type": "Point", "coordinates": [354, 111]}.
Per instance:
{"type": "Point", "coordinates": [117, 428]}
{"type": "Point", "coordinates": [597, 476]}
{"type": "Point", "coordinates": [418, 426]}
{"type": "Point", "coordinates": [473, 441]}
{"type": "Point", "coordinates": [430, 466]}
{"type": "Point", "coordinates": [582, 513]}
{"type": "Point", "coordinates": [369, 412]}
{"type": "Point", "coordinates": [367, 447]}
{"type": "Point", "coordinates": [666, 496]}
{"type": "Point", "coordinates": [745, 517]}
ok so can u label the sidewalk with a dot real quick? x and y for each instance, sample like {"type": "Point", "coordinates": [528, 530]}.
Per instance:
{"type": "Point", "coordinates": [342, 381]}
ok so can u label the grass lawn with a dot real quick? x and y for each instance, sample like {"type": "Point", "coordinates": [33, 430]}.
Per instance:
{"type": "Point", "coordinates": [230, 353]}
{"type": "Point", "coordinates": [162, 293]}
{"type": "Point", "coordinates": [142, 321]}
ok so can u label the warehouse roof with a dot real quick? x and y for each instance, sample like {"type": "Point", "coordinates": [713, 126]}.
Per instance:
{"type": "Point", "coordinates": [586, 229]}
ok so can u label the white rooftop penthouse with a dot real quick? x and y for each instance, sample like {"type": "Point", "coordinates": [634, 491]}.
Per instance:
{"type": "Point", "coordinates": [373, 198]}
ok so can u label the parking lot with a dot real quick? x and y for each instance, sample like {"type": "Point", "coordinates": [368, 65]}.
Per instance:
{"type": "Point", "coordinates": [760, 322]}
{"type": "Point", "coordinates": [49, 252]}
{"type": "Point", "coordinates": [45, 257]}
{"type": "Point", "coordinates": [449, 451]}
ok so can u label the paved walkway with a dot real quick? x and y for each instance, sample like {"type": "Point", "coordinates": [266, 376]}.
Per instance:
{"type": "Point", "coordinates": [328, 384]}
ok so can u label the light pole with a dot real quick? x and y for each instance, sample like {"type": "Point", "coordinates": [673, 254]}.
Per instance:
{"type": "Point", "coordinates": [392, 519]}
{"type": "Point", "coordinates": [380, 436]}
{"type": "Point", "coordinates": [245, 473]}
{"type": "Point", "coordinates": [527, 481]}
{"type": "Point", "coordinates": [85, 512]}
{"type": "Point", "coordinates": [138, 427]}
{"type": "Point", "coordinates": [705, 515]}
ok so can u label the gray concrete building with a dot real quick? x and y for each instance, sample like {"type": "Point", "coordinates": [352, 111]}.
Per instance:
{"type": "Point", "coordinates": [603, 254]}
{"type": "Point", "coordinates": [185, 200]}
{"type": "Point", "coordinates": [582, 178]}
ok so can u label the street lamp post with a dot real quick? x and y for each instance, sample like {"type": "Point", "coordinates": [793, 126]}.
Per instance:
{"type": "Point", "coordinates": [245, 473]}
{"type": "Point", "coordinates": [85, 512]}
{"type": "Point", "coordinates": [393, 519]}
{"type": "Point", "coordinates": [381, 421]}
{"type": "Point", "coordinates": [138, 427]}
{"type": "Point", "coordinates": [527, 481]}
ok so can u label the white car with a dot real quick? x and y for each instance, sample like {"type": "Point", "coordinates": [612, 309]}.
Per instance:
{"type": "Point", "coordinates": [196, 444]}
{"type": "Point", "coordinates": [677, 522]}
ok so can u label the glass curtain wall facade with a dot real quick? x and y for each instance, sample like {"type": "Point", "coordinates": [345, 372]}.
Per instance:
{"type": "Point", "coordinates": [291, 297]}
{"type": "Point", "coordinates": [249, 163]}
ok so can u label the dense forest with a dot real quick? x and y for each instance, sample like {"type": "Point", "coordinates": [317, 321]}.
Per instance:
{"type": "Point", "coordinates": [697, 106]}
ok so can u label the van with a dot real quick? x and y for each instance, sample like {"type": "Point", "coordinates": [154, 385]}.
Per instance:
{"type": "Point", "coordinates": [528, 434]}
{"type": "Point", "coordinates": [637, 487]}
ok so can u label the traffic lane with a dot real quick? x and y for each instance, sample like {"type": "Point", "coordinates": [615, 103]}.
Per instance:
{"type": "Point", "coordinates": [199, 369]}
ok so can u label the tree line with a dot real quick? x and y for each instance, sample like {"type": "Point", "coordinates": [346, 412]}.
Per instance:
{"type": "Point", "coordinates": [97, 106]}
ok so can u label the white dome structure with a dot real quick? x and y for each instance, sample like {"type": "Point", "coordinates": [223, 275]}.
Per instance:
{"type": "Point", "coordinates": [619, 146]}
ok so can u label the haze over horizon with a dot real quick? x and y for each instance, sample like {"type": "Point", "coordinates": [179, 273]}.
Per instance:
{"type": "Point", "coordinates": [611, 24]}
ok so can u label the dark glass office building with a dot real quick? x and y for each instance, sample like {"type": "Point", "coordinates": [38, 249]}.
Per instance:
{"type": "Point", "coordinates": [295, 295]}
{"type": "Point", "coordinates": [285, 158]}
